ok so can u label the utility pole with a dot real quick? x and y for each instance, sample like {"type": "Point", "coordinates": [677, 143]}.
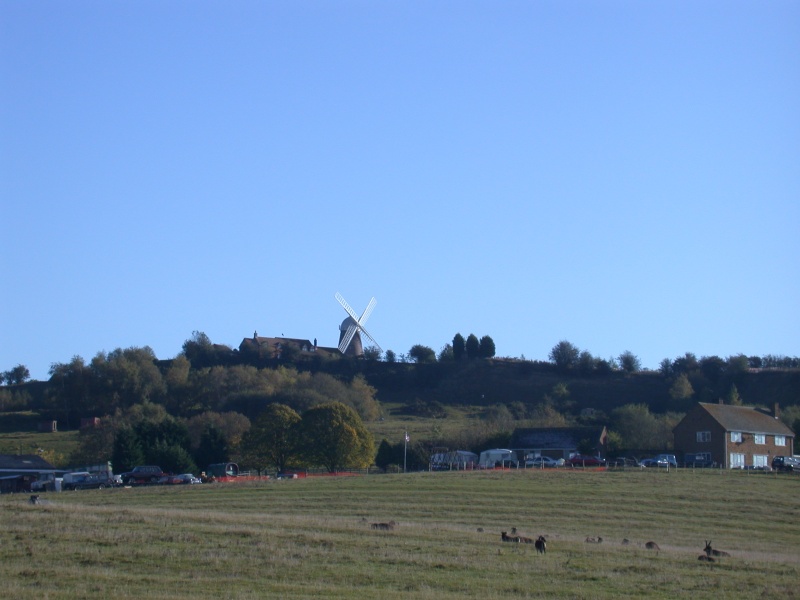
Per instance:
{"type": "Point", "coordinates": [405, 451]}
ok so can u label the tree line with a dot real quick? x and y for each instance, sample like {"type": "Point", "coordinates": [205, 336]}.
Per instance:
{"type": "Point", "coordinates": [330, 435]}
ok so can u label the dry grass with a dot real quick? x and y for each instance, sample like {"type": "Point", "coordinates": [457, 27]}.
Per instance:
{"type": "Point", "coordinates": [311, 538]}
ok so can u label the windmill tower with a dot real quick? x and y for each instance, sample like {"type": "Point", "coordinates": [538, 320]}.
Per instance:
{"type": "Point", "coordinates": [352, 327]}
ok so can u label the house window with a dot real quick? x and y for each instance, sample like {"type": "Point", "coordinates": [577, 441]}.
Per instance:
{"type": "Point", "coordinates": [760, 460]}
{"type": "Point", "coordinates": [737, 460]}
{"type": "Point", "coordinates": [780, 440]}
{"type": "Point", "coordinates": [760, 438]}
{"type": "Point", "coordinates": [736, 436]}
{"type": "Point", "coordinates": [703, 436]}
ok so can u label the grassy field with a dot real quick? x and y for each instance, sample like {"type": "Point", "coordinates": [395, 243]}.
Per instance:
{"type": "Point", "coordinates": [311, 538]}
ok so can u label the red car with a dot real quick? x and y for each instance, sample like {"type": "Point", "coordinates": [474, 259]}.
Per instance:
{"type": "Point", "coordinates": [582, 460]}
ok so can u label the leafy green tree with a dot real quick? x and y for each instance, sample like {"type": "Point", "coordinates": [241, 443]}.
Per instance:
{"type": "Point", "coordinates": [213, 448]}
{"type": "Point", "coordinates": [390, 356]}
{"type": "Point", "coordinates": [564, 355]}
{"type": "Point", "coordinates": [127, 451]}
{"type": "Point", "coordinates": [446, 353]}
{"type": "Point", "coordinates": [422, 354]}
{"type": "Point", "coordinates": [334, 437]}
{"type": "Point", "coordinates": [459, 346]}
{"type": "Point", "coordinates": [486, 347]}
{"type": "Point", "coordinates": [665, 367]}
{"type": "Point", "coordinates": [274, 438]}
{"type": "Point", "coordinates": [685, 364]}
{"type": "Point", "coordinates": [17, 375]}
{"type": "Point", "coordinates": [712, 368]}
{"type": "Point", "coordinates": [172, 458]}
{"type": "Point", "coordinates": [732, 397]}
{"type": "Point", "coordinates": [372, 353]}
{"type": "Point", "coordinates": [681, 388]}
{"type": "Point", "coordinates": [586, 362]}
{"type": "Point", "coordinates": [629, 362]}
{"type": "Point", "coordinates": [127, 377]}
{"type": "Point", "coordinates": [387, 455]}
{"type": "Point", "coordinates": [473, 346]}
{"type": "Point", "coordinates": [199, 350]}
{"type": "Point", "coordinates": [638, 427]}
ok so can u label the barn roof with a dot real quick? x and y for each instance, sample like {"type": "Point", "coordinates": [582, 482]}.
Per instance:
{"type": "Point", "coordinates": [24, 462]}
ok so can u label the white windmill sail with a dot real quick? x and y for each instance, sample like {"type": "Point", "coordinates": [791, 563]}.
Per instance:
{"type": "Point", "coordinates": [356, 323]}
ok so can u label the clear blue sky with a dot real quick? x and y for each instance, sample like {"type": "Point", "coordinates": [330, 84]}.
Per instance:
{"type": "Point", "coordinates": [621, 175]}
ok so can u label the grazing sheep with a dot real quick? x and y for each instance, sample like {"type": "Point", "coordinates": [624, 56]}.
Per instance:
{"type": "Point", "coordinates": [652, 546]}
{"type": "Point", "coordinates": [712, 551]}
{"type": "Point", "coordinates": [594, 540]}
{"type": "Point", "coordinates": [541, 545]}
{"type": "Point", "coordinates": [509, 538]}
{"type": "Point", "coordinates": [384, 526]}
{"type": "Point", "coordinates": [34, 499]}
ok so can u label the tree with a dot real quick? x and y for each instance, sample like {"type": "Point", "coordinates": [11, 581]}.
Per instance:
{"type": "Point", "coordinates": [629, 362]}
{"type": "Point", "coordinates": [486, 347]}
{"type": "Point", "coordinates": [459, 346]}
{"type": "Point", "coordinates": [586, 362]}
{"type": "Point", "coordinates": [334, 437]}
{"type": "Point", "coordinates": [172, 458]}
{"type": "Point", "coordinates": [213, 448]}
{"type": "Point", "coordinates": [422, 354]}
{"type": "Point", "coordinates": [387, 455]}
{"type": "Point", "coordinates": [372, 353]}
{"type": "Point", "coordinates": [128, 451]}
{"type": "Point", "coordinates": [565, 355]}
{"type": "Point", "coordinates": [639, 428]}
{"type": "Point", "coordinates": [17, 375]}
{"type": "Point", "coordinates": [446, 353]}
{"type": "Point", "coordinates": [390, 356]}
{"type": "Point", "coordinates": [199, 350]}
{"type": "Point", "coordinates": [681, 388]}
{"type": "Point", "coordinates": [732, 397]}
{"type": "Point", "coordinates": [274, 438]}
{"type": "Point", "coordinates": [473, 346]}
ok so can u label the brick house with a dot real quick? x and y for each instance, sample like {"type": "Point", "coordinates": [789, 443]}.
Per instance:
{"type": "Point", "coordinates": [733, 436]}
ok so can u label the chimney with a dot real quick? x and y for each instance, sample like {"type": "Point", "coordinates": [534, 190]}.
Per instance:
{"type": "Point", "coordinates": [776, 410]}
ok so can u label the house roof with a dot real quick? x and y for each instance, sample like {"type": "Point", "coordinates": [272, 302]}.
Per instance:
{"type": "Point", "coordinates": [745, 418]}
{"type": "Point", "coordinates": [273, 344]}
{"type": "Point", "coordinates": [24, 462]}
{"type": "Point", "coordinates": [555, 438]}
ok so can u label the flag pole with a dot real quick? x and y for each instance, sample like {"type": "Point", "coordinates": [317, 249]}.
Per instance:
{"type": "Point", "coordinates": [405, 451]}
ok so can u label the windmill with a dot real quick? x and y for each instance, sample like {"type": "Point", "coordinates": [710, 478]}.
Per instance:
{"type": "Point", "coordinates": [352, 327]}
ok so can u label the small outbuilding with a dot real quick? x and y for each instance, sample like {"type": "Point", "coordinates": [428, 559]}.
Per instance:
{"type": "Point", "coordinates": [19, 471]}
{"type": "Point", "coordinates": [560, 442]}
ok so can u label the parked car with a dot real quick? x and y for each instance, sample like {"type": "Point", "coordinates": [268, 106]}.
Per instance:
{"type": "Point", "coordinates": [143, 474]}
{"type": "Point", "coordinates": [662, 460]}
{"type": "Point", "coordinates": [700, 460]}
{"type": "Point", "coordinates": [624, 461]}
{"type": "Point", "coordinates": [583, 460]}
{"type": "Point", "coordinates": [786, 463]}
{"type": "Point", "coordinates": [183, 479]}
{"type": "Point", "coordinates": [88, 481]}
{"type": "Point", "coordinates": [539, 462]}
